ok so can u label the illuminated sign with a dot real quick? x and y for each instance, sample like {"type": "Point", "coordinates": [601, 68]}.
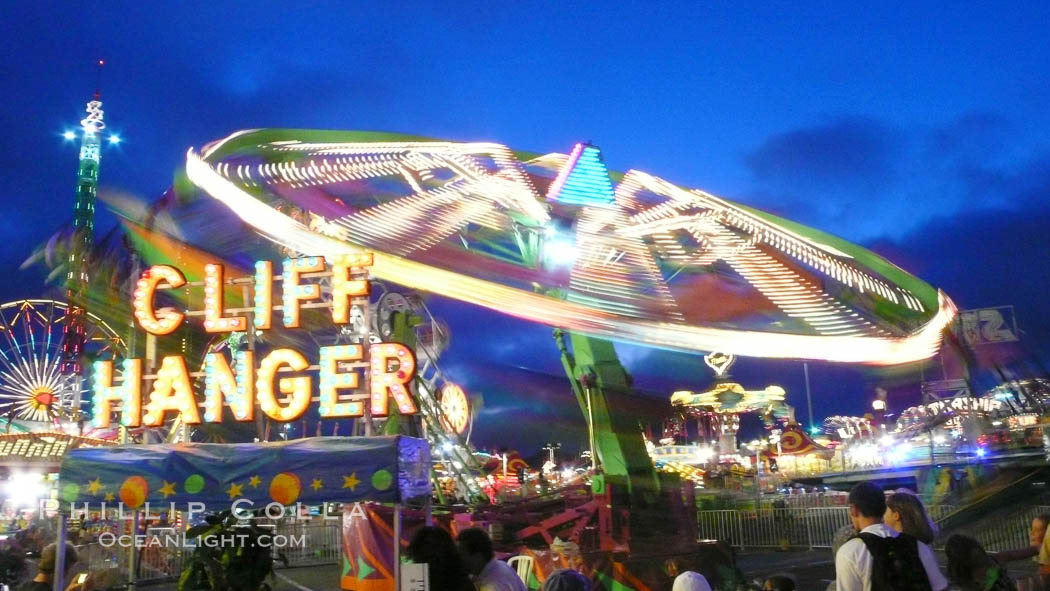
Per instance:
{"type": "Point", "coordinates": [988, 325]}
{"type": "Point", "coordinates": [42, 446]}
{"type": "Point", "coordinates": [981, 405]}
{"type": "Point", "coordinates": [1026, 420]}
{"type": "Point", "coordinates": [348, 376]}
{"type": "Point", "coordinates": [959, 406]}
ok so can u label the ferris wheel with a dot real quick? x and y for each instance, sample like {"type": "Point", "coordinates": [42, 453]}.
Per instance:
{"type": "Point", "coordinates": [32, 385]}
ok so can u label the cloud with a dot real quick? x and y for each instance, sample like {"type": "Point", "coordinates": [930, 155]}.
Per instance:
{"type": "Point", "coordinates": [971, 137]}
{"type": "Point", "coordinates": [988, 257]}
{"type": "Point", "coordinates": [848, 150]}
{"type": "Point", "coordinates": [864, 179]}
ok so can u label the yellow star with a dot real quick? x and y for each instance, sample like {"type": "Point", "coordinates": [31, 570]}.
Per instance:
{"type": "Point", "coordinates": [317, 484]}
{"type": "Point", "coordinates": [235, 490]}
{"type": "Point", "coordinates": [94, 486]}
{"type": "Point", "coordinates": [351, 481]}
{"type": "Point", "coordinates": [109, 497]}
{"type": "Point", "coordinates": [254, 481]}
{"type": "Point", "coordinates": [168, 489]}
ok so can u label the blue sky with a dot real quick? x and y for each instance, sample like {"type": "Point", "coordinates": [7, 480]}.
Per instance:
{"type": "Point", "coordinates": [918, 129]}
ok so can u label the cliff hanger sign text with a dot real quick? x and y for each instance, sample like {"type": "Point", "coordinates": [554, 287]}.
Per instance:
{"type": "Point", "coordinates": [386, 368]}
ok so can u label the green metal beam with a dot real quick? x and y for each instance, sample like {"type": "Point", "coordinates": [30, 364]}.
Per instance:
{"type": "Point", "coordinates": [595, 371]}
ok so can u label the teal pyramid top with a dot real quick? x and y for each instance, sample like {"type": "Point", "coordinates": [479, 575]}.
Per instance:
{"type": "Point", "coordinates": [583, 180]}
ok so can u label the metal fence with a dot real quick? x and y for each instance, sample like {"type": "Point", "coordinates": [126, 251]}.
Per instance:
{"type": "Point", "coordinates": [324, 542]}
{"type": "Point", "coordinates": [809, 527]}
{"type": "Point", "coordinates": [815, 527]}
{"type": "Point", "coordinates": [1010, 534]}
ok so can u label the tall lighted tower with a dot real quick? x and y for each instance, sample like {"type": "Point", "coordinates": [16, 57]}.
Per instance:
{"type": "Point", "coordinates": [83, 238]}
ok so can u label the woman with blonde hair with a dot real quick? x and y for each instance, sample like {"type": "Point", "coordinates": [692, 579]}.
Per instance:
{"type": "Point", "coordinates": [906, 514]}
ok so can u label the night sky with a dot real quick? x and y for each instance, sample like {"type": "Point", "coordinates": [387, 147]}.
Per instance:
{"type": "Point", "coordinates": [919, 131]}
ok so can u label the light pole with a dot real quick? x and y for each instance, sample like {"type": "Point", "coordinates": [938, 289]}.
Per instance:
{"type": "Point", "coordinates": [809, 397]}
{"type": "Point", "coordinates": [551, 448]}
{"type": "Point", "coordinates": [757, 448]}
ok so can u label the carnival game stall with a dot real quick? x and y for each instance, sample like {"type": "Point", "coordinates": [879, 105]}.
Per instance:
{"type": "Point", "coordinates": [198, 478]}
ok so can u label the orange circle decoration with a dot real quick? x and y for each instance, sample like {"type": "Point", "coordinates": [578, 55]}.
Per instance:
{"type": "Point", "coordinates": [133, 492]}
{"type": "Point", "coordinates": [791, 441]}
{"type": "Point", "coordinates": [455, 410]}
{"type": "Point", "coordinates": [285, 488]}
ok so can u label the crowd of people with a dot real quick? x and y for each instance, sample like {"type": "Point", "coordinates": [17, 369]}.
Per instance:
{"type": "Point", "coordinates": [886, 547]}
{"type": "Point", "coordinates": [469, 563]}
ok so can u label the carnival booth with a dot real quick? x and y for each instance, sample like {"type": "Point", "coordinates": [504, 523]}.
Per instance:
{"type": "Point", "coordinates": [212, 477]}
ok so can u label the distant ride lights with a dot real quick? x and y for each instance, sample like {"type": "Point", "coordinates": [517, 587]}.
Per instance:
{"type": "Point", "coordinates": [242, 381]}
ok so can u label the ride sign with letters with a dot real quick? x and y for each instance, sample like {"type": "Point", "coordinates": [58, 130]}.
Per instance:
{"type": "Point", "coordinates": [381, 370]}
{"type": "Point", "coordinates": [987, 326]}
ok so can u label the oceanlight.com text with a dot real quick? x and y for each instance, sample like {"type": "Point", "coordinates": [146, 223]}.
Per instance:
{"type": "Point", "coordinates": [177, 540]}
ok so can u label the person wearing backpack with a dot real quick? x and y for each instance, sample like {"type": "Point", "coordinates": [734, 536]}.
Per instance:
{"type": "Point", "coordinates": [880, 558]}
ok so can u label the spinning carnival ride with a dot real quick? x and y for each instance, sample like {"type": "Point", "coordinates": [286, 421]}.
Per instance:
{"type": "Point", "coordinates": [551, 239]}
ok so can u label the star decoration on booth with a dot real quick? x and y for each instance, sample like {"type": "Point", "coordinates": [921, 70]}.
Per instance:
{"type": "Point", "coordinates": [235, 490]}
{"type": "Point", "coordinates": [94, 486]}
{"type": "Point", "coordinates": [317, 484]}
{"type": "Point", "coordinates": [109, 497]}
{"type": "Point", "coordinates": [254, 481]}
{"type": "Point", "coordinates": [168, 489]}
{"type": "Point", "coordinates": [351, 481]}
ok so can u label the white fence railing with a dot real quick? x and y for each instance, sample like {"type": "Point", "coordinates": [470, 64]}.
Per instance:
{"type": "Point", "coordinates": [1011, 534]}
{"type": "Point", "coordinates": [815, 527]}
{"type": "Point", "coordinates": [812, 527]}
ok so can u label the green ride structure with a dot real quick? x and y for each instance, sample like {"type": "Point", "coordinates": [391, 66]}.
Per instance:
{"type": "Point", "coordinates": [597, 255]}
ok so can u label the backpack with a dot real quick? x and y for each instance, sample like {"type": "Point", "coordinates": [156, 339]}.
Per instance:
{"type": "Point", "coordinates": [896, 563]}
{"type": "Point", "coordinates": [997, 579]}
